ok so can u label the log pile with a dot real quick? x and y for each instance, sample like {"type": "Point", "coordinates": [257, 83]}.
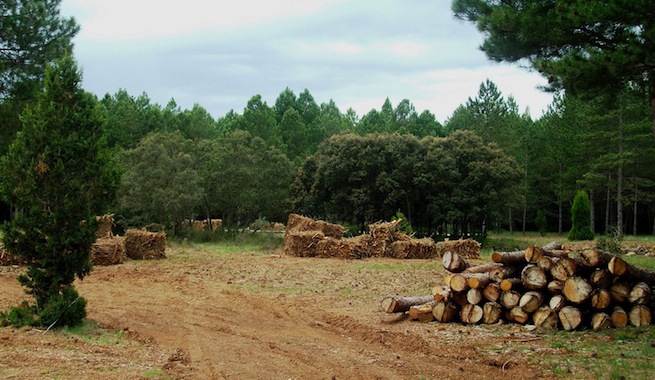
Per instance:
{"type": "Point", "coordinates": [144, 245]}
{"type": "Point", "coordinates": [305, 237]}
{"type": "Point", "coordinates": [543, 286]}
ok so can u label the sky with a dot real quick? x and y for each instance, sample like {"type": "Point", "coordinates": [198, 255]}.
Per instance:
{"type": "Point", "coordinates": [219, 53]}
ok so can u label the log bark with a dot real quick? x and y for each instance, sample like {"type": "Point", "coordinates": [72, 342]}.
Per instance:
{"type": "Point", "coordinates": [510, 299]}
{"type": "Point", "coordinates": [640, 294]}
{"type": "Point", "coordinates": [577, 289]}
{"type": "Point", "coordinates": [452, 262]}
{"type": "Point", "coordinates": [492, 312]}
{"type": "Point", "coordinates": [483, 268]}
{"type": "Point", "coordinates": [401, 304]}
{"type": "Point", "coordinates": [444, 312]}
{"type": "Point", "coordinates": [619, 267]}
{"type": "Point", "coordinates": [563, 269]}
{"type": "Point", "coordinates": [422, 313]}
{"type": "Point", "coordinates": [471, 314]}
{"type": "Point", "coordinates": [511, 283]}
{"type": "Point", "coordinates": [531, 301]}
{"type": "Point", "coordinates": [601, 299]}
{"type": "Point", "coordinates": [478, 280]}
{"type": "Point", "coordinates": [640, 315]}
{"type": "Point", "coordinates": [516, 257]}
{"type": "Point", "coordinates": [492, 292]}
{"type": "Point", "coordinates": [545, 317]}
{"type": "Point", "coordinates": [557, 302]}
{"type": "Point", "coordinates": [506, 271]}
{"type": "Point", "coordinates": [619, 317]}
{"type": "Point", "coordinates": [570, 317]}
{"type": "Point", "coordinates": [533, 277]}
{"type": "Point", "coordinates": [601, 321]}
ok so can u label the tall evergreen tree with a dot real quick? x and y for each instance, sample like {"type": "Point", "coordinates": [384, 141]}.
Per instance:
{"type": "Point", "coordinates": [577, 45]}
{"type": "Point", "coordinates": [58, 178]}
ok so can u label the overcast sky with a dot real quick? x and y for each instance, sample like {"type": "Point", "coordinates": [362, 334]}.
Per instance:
{"type": "Point", "coordinates": [357, 52]}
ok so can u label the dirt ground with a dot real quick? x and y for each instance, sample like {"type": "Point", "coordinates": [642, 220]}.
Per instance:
{"type": "Point", "coordinates": [253, 315]}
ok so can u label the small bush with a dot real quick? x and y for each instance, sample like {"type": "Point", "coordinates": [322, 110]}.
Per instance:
{"type": "Point", "coordinates": [66, 309]}
{"type": "Point", "coordinates": [581, 218]}
{"type": "Point", "coordinates": [541, 222]}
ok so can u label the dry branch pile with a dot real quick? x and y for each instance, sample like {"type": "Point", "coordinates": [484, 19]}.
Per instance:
{"type": "Point", "coordinates": [464, 248]}
{"type": "Point", "coordinates": [108, 251]}
{"type": "Point", "coordinates": [144, 245]}
{"type": "Point", "coordinates": [7, 259]}
{"type": "Point", "coordinates": [543, 286]}
{"type": "Point", "coordinates": [305, 237]}
{"type": "Point", "coordinates": [105, 224]}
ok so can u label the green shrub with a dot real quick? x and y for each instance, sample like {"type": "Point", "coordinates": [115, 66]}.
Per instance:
{"type": "Point", "coordinates": [581, 218]}
{"type": "Point", "coordinates": [541, 222]}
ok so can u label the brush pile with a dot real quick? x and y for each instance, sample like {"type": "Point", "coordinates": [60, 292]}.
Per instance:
{"type": "Point", "coordinates": [305, 237]}
{"type": "Point", "coordinates": [543, 286]}
{"type": "Point", "coordinates": [108, 251]}
{"type": "Point", "coordinates": [105, 224]}
{"type": "Point", "coordinates": [466, 248]}
{"type": "Point", "coordinates": [144, 245]}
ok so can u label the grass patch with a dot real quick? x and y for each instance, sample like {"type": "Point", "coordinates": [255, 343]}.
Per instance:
{"type": "Point", "coordinates": [157, 374]}
{"type": "Point", "coordinates": [625, 353]}
{"type": "Point", "coordinates": [89, 331]}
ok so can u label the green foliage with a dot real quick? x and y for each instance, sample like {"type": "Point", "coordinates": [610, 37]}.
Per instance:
{"type": "Point", "coordinates": [405, 226]}
{"type": "Point", "coordinates": [541, 222]}
{"type": "Point", "coordinates": [610, 243]}
{"type": "Point", "coordinates": [160, 183]}
{"type": "Point", "coordinates": [58, 176]}
{"type": "Point", "coordinates": [581, 218]}
{"type": "Point", "coordinates": [434, 181]}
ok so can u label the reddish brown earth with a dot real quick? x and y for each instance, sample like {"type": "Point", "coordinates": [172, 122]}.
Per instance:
{"type": "Point", "coordinates": [251, 315]}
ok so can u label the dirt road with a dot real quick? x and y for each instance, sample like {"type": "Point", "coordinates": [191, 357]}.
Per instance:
{"type": "Point", "coordinates": [252, 315]}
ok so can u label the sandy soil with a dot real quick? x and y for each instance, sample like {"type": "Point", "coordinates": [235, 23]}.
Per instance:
{"type": "Point", "coordinates": [246, 315]}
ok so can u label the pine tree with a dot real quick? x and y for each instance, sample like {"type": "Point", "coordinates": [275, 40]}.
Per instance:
{"type": "Point", "coordinates": [57, 177]}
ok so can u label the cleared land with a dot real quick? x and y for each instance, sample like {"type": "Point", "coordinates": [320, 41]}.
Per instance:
{"type": "Point", "coordinates": [220, 312]}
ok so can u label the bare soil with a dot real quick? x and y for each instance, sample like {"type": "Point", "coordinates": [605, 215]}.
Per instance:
{"type": "Point", "coordinates": [252, 315]}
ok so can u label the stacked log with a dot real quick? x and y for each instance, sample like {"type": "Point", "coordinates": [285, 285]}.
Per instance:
{"type": "Point", "coordinates": [542, 286]}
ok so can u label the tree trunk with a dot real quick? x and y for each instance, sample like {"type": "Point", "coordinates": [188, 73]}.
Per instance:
{"type": "Point", "coordinates": [640, 315]}
{"type": "Point", "coordinates": [619, 267]}
{"type": "Point", "coordinates": [545, 317]}
{"type": "Point", "coordinates": [601, 299]}
{"type": "Point", "coordinates": [640, 294]}
{"type": "Point", "coordinates": [478, 280]}
{"type": "Point", "coordinates": [556, 303]}
{"type": "Point", "coordinates": [444, 312]}
{"type": "Point", "coordinates": [518, 315]}
{"type": "Point", "coordinates": [510, 299]}
{"type": "Point", "coordinates": [555, 287]}
{"type": "Point", "coordinates": [531, 301]}
{"type": "Point", "coordinates": [510, 283]}
{"type": "Point", "coordinates": [492, 292]}
{"type": "Point", "coordinates": [483, 268]}
{"type": "Point", "coordinates": [452, 262]}
{"type": "Point", "coordinates": [634, 212]}
{"type": "Point", "coordinates": [516, 257]}
{"type": "Point", "coordinates": [563, 269]}
{"type": "Point", "coordinates": [511, 225]}
{"type": "Point", "coordinates": [570, 317]}
{"type": "Point", "coordinates": [474, 296]}
{"type": "Point", "coordinates": [491, 313]}
{"type": "Point", "coordinates": [593, 210]}
{"type": "Point", "coordinates": [422, 313]}
{"type": "Point", "coordinates": [533, 277]}
{"type": "Point", "coordinates": [620, 291]}
{"type": "Point", "coordinates": [619, 317]}
{"type": "Point", "coordinates": [601, 278]}
{"type": "Point", "coordinates": [577, 290]}
{"type": "Point", "coordinates": [471, 314]}
{"type": "Point", "coordinates": [398, 304]}
{"type": "Point", "coordinates": [608, 204]}
{"type": "Point", "coordinates": [506, 271]}
{"type": "Point", "coordinates": [601, 321]}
